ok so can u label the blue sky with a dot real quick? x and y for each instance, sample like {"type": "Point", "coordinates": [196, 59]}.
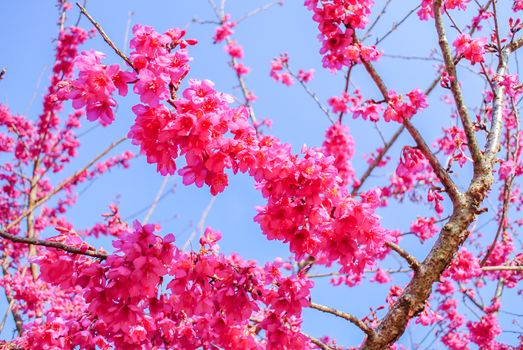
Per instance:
{"type": "Point", "coordinates": [28, 28]}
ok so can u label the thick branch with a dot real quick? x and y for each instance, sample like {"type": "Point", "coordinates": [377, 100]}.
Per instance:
{"type": "Point", "coordinates": [353, 319]}
{"type": "Point", "coordinates": [453, 234]}
{"type": "Point", "coordinates": [516, 45]}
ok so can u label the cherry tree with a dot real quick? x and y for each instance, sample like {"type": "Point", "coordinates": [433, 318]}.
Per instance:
{"type": "Point", "coordinates": [447, 155]}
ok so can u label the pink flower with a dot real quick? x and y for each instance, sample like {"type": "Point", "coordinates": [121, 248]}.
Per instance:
{"type": "Point", "coordinates": [472, 49]}
{"type": "Point", "coordinates": [464, 267]}
{"type": "Point", "coordinates": [339, 103]}
{"type": "Point", "coordinates": [151, 87]}
{"type": "Point", "coordinates": [424, 228]}
{"type": "Point", "coordinates": [485, 331]}
{"type": "Point", "coordinates": [382, 277]}
{"type": "Point", "coordinates": [305, 76]}
{"type": "Point", "coordinates": [224, 31]}
{"type": "Point", "coordinates": [234, 50]}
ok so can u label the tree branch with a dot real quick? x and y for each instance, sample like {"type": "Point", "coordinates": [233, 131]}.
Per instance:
{"type": "Point", "coordinates": [455, 87]}
{"type": "Point", "coordinates": [51, 244]}
{"type": "Point", "coordinates": [105, 37]}
{"type": "Point", "coordinates": [453, 234]}
{"type": "Point", "coordinates": [353, 319]}
{"type": "Point", "coordinates": [317, 342]}
{"type": "Point", "coordinates": [411, 260]}
{"type": "Point", "coordinates": [377, 160]}
{"type": "Point", "coordinates": [440, 172]}
{"type": "Point", "coordinates": [502, 268]}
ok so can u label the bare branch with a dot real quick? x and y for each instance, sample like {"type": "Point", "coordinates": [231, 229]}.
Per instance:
{"type": "Point", "coordinates": [2, 73]}
{"type": "Point", "coordinates": [377, 160]}
{"type": "Point", "coordinates": [16, 315]}
{"type": "Point", "coordinates": [395, 26]}
{"type": "Point", "coordinates": [201, 222]}
{"type": "Point", "coordinates": [337, 273]}
{"type": "Point", "coordinates": [51, 244]}
{"type": "Point", "coordinates": [411, 260]}
{"type": "Point", "coordinates": [259, 10]}
{"type": "Point", "coordinates": [376, 21]}
{"type": "Point", "coordinates": [156, 199]}
{"type": "Point", "coordinates": [311, 93]}
{"type": "Point", "coordinates": [105, 37]}
{"type": "Point", "coordinates": [353, 319]}
{"type": "Point", "coordinates": [502, 268]}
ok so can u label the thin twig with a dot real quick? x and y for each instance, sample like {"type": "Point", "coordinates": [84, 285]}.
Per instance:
{"type": "Point", "coordinates": [2, 73]}
{"type": "Point", "coordinates": [16, 315]}
{"type": "Point", "coordinates": [127, 30]}
{"type": "Point", "coordinates": [337, 273]}
{"type": "Point", "coordinates": [395, 26]}
{"type": "Point", "coordinates": [317, 342]}
{"type": "Point", "coordinates": [376, 21]}
{"type": "Point", "coordinates": [105, 37]}
{"type": "Point", "coordinates": [258, 10]}
{"type": "Point", "coordinates": [311, 93]}
{"type": "Point", "coordinates": [80, 15]}
{"type": "Point", "coordinates": [377, 160]}
{"type": "Point", "coordinates": [156, 199]}
{"type": "Point", "coordinates": [201, 223]}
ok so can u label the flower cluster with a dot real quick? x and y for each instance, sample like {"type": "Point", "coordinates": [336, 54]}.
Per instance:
{"type": "Point", "coordinates": [224, 31]}
{"type": "Point", "coordinates": [426, 11]}
{"type": "Point", "coordinates": [472, 49]}
{"type": "Point", "coordinates": [278, 70]}
{"type": "Point", "coordinates": [340, 144]}
{"type": "Point", "coordinates": [95, 85]}
{"type": "Point", "coordinates": [424, 228]}
{"type": "Point", "coordinates": [337, 23]}
{"type": "Point", "coordinates": [454, 143]}
{"type": "Point", "coordinates": [398, 109]}
{"type": "Point", "coordinates": [207, 298]}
